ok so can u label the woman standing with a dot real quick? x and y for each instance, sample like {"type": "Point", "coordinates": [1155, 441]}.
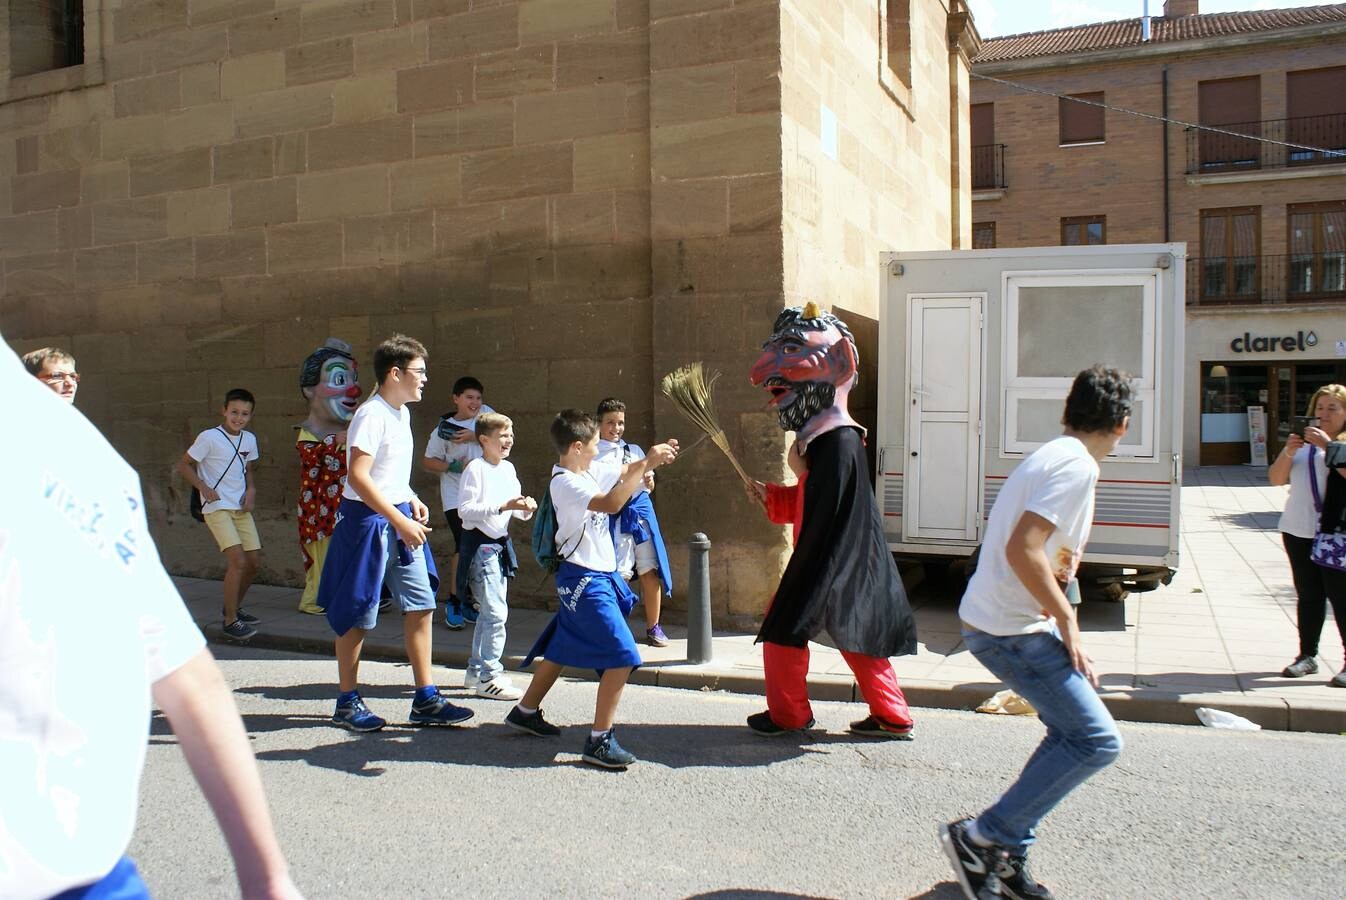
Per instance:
{"type": "Point", "coordinates": [1306, 513]}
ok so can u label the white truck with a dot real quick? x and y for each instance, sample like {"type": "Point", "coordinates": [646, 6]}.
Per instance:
{"type": "Point", "coordinates": [977, 350]}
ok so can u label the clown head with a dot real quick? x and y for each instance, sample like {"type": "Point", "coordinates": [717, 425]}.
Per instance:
{"type": "Point", "coordinates": [330, 381]}
{"type": "Point", "coordinates": [809, 365]}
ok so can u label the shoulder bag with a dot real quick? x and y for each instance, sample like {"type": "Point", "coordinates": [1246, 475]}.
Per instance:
{"type": "Point", "coordinates": [1329, 548]}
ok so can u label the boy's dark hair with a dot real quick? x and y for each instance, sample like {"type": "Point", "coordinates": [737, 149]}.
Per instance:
{"type": "Point", "coordinates": [609, 404]}
{"type": "Point", "coordinates": [571, 425]}
{"type": "Point", "coordinates": [1099, 400]}
{"type": "Point", "coordinates": [396, 352]}
{"type": "Point", "coordinates": [242, 394]}
{"type": "Point", "coordinates": [467, 383]}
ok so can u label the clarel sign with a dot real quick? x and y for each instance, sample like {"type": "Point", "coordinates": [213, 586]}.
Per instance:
{"type": "Point", "coordinates": [1262, 344]}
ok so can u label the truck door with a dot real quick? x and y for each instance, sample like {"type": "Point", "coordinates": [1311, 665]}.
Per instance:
{"type": "Point", "coordinates": [944, 453]}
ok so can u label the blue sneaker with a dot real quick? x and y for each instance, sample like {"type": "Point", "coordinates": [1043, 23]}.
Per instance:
{"type": "Point", "coordinates": [356, 716]}
{"type": "Point", "coordinates": [470, 613]}
{"type": "Point", "coordinates": [453, 616]}
{"type": "Point", "coordinates": [604, 751]}
{"type": "Point", "coordinates": [439, 711]}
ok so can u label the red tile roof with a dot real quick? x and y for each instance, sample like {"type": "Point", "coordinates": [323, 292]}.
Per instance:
{"type": "Point", "coordinates": [1126, 32]}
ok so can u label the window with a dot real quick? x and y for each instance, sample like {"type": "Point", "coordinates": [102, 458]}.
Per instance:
{"type": "Point", "coordinates": [1234, 104]}
{"type": "Point", "coordinates": [1081, 123]}
{"type": "Point", "coordinates": [44, 35]}
{"type": "Point", "coordinates": [983, 235]}
{"type": "Point", "coordinates": [1230, 241]}
{"type": "Point", "coordinates": [1317, 235]}
{"type": "Point", "coordinates": [897, 39]}
{"type": "Point", "coordinates": [1079, 230]}
{"type": "Point", "coordinates": [1316, 107]}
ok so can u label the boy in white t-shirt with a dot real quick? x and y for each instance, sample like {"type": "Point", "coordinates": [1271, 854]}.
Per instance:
{"type": "Point", "coordinates": [452, 445]}
{"type": "Point", "coordinates": [217, 465]}
{"type": "Point", "coordinates": [489, 496]}
{"type": "Point", "coordinates": [589, 630]}
{"type": "Point", "coordinates": [379, 543]}
{"type": "Point", "coordinates": [1018, 623]}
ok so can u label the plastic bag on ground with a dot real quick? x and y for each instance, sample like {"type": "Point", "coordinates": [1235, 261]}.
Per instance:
{"type": "Point", "coordinates": [1218, 718]}
{"type": "Point", "coordinates": [1007, 703]}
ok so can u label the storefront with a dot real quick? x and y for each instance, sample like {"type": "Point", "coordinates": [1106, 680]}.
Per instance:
{"type": "Point", "coordinates": [1239, 358]}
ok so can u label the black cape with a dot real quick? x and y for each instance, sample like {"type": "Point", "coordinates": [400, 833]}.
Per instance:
{"type": "Point", "coordinates": [841, 577]}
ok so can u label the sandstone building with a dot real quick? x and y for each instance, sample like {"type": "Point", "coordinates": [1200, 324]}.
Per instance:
{"type": "Point", "coordinates": [566, 198]}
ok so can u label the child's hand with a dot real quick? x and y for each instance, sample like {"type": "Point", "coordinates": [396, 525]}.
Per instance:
{"type": "Point", "coordinates": [249, 499]}
{"type": "Point", "coordinates": [412, 533]}
{"type": "Point", "coordinates": [756, 491]}
{"type": "Point", "coordinates": [419, 511]}
{"type": "Point", "coordinates": [339, 438]}
{"type": "Point", "coordinates": [661, 454]}
{"type": "Point", "coordinates": [649, 481]}
{"type": "Point", "coordinates": [208, 494]}
{"type": "Point", "coordinates": [456, 466]}
{"type": "Point", "coordinates": [521, 503]}
{"type": "Point", "coordinates": [464, 436]}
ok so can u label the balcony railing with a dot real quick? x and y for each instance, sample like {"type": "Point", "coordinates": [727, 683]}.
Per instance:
{"type": "Point", "coordinates": [1252, 280]}
{"type": "Point", "coordinates": [988, 167]}
{"type": "Point", "coordinates": [1209, 152]}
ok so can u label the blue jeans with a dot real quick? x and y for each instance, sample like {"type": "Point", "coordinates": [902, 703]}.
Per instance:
{"type": "Point", "coordinates": [1081, 736]}
{"type": "Point", "coordinates": [486, 580]}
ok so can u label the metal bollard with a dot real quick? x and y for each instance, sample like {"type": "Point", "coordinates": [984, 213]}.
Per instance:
{"type": "Point", "coordinates": [699, 647]}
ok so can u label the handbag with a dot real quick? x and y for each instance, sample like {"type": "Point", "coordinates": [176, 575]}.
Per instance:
{"type": "Point", "coordinates": [1329, 547]}
{"type": "Point", "coordinates": [194, 504]}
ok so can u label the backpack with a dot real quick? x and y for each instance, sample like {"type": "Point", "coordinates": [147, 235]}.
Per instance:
{"type": "Point", "coordinates": [545, 551]}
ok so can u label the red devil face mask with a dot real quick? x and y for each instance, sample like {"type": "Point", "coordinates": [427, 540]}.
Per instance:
{"type": "Point", "coordinates": [808, 365]}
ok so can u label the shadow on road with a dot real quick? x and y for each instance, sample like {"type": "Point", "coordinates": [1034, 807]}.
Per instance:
{"type": "Point", "coordinates": [748, 894]}
{"type": "Point", "coordinates": [945, 890]}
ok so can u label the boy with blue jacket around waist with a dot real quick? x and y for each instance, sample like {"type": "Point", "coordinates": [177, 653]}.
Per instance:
{"type": "Point", "coordinates": [379, 543]}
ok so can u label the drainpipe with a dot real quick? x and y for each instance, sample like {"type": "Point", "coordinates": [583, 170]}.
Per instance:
{"type": "Point", "coordinates": [1145, 23]}
{"type": "Point", "coordinates": [1164, 126]}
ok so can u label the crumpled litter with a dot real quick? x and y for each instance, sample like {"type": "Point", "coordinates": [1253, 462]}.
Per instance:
{"type": "Point", "coordinates": [1007, 703]}
{"type": "Point", "coordinates": [1218, 718]}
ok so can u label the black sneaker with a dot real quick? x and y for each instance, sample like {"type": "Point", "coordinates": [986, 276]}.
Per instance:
{"type": "Point", "coordinates": [356, 716]}
{"type": "Point", "coordinates": [1304, 665]}
{"type": "Point", "coordinates": [604, 751]}
{"type": "Point", "coordinates": [439, 711]}
{"type": "Point", "coordinates": [761, 723]}
{"type": "Point", "coordinates": [1016, 882]}
{"type": "Point", "coordinates": [531, 723]}
{"type": "Point", "coordinates": [977, 868]}
{"type": "Point", "coordinates": [245, 617]}
{"type": "Point", "coordinates": [239, 630]}
{"type": "Point", "coordinates": [873, 726]}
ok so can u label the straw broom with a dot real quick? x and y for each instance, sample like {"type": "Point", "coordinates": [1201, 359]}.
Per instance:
{"type": "Point", "coordinates": [690, 392]}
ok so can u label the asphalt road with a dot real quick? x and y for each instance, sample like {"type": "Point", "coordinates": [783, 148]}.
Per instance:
{"type": "Point", "coordinates": [715, 811]}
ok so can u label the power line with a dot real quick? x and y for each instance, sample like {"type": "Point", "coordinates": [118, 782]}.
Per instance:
{"type": "Point", "coordinates": [1143, 115]}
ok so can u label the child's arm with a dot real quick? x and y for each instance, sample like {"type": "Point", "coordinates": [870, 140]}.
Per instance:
{"type": "Point", "coordinates": [472, 504]}
{"type": "Point", "coordinates": [435, 457]}
{"type": "Point", "coordinates": [186, 467]}
{"type": "Point", "coordinates": [413, 533]}
{"type": "Point", "coordinates": [249, 488]}
{"type": "Point", "coordinates": [201, 711]}
{"type": "Point", "coordinates": [632, 475]}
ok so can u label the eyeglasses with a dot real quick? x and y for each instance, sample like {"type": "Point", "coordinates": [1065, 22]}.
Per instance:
{"type": "Point", "coordinates": [59, 377]}
{"type": "Point", "coordinates": [421, 371]}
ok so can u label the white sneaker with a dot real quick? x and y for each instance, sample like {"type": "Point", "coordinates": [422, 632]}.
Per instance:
{"type": "Point", "coordinates": [470, 681]}
{"type": "Point", "coordinates": [498, 688]}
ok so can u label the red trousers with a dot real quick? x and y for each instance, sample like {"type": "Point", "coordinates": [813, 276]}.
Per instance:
{"type": "Point", "coordinates": [787, 693]}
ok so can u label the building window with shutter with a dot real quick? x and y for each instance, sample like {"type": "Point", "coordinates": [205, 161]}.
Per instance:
{"type": "Point", "coordinates": [1232, 105]}
{"type": "Point", "coordinates": [1317, 237]}
{"type": "Point", "coordinates": [983, 235]}
{"type": "Point", "coordinates": [1230, 259]}
{"type": "Point", "coordinates": [897, 39]}
{"type": "Point", "coordinates": [1077, 231]}
{"type": "Point", "coordinates": [1315, 103]}
{"type": "Point", "coordinates": [1081, 122]}
{"type": "Point", "coordinates": [45, 35]}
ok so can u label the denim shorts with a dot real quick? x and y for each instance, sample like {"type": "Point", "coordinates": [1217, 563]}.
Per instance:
{"type": "Point", "coordinates": [405, 577]}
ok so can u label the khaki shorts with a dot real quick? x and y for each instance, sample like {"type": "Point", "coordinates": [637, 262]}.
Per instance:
{"type": "Point", "coordinates": [233, 527]}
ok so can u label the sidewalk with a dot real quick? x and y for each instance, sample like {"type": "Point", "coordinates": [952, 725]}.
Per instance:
{"type": "Point", "coordinates": [1218, 636]}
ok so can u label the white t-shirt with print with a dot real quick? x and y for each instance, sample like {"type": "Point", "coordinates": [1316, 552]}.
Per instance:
{"type": "Point", "coordinates": [1300, 518]}
{"type": "Point", "coordinates": [582, 534]}
{"type": "Point", "coordinates": [75, 681]}
{"type": "Point", "coordinates": [451, 451]}
{"type": "Point", "coordinates": [385, 434]}
{"type": "Point", "coordinates": [1056, 482]}
{"type": "Point", "coordinates": [213, 451]}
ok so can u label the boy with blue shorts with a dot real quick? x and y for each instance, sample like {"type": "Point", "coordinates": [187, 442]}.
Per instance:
{"type": "Point", "coordinates": [589, 630]}
{"type": "Point", "coordinates": [379, 543]}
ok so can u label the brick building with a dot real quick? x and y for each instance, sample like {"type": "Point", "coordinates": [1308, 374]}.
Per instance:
{"type": "Point", "coordinates": [1264, 223]}
{"type": "Point", "coordinates": [566, 198]}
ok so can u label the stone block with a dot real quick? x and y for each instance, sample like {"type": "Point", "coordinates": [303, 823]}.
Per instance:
{"type": "Point", "coordinates": [127, 309]}
{"type": "Point", "coordinates": [342, 146]}
{"type": "Point", "coordinates": [755, 203]}
{"type": "Point", "coordinates": [744, 262]}
{"type": "Point", "coordinates": [102, 267]}
{"type": "Point", "coordinates": [389, 240]}
{"type": "Point", "coordinates": [135, 136]}
{"type": "Point", "coordinates": [190, 301]}
{"type": "Point", "coordinates": [588, 326]}
{"type": "Point", "coordinates": [243, 160]}
{"type": "Point", "coordinates": [206, 12]}
{"type": "Point", "coordinates": [138, 20]}
{"type": "Point", "coordinates": [632, 210]}
{"type": "Point", "coordinates": [637, 106]}
{"type": "Point", "coordinates": [225, 349]}
{"type": "Point", "coordinates": [337, 18]}
{"type": "Point", "coordinates": [307, 245]}
{"type": "Point", "coordinates": [200, 126]}
{"type": "Point", "coordinates": [433, 87]}
{"type": "Point", "coordinates": [603, 58]}
{"type": "Point", "coordinates": [685, 95]}
{"type": "Point", "coordinates": [69, 148]}
{"type": "Point", "coordinates": [757, 85]}
{"type": "Point", "coordinates": [237, 253]}
{"type": "Point", "coordinates": [198, 212]}
{"type": "Point", "coordinates": [319, 61]}
{"type": "Point", "coordinates": [612, 161]}
{"type": "Point", "coordinates": [424, 183]}
{"type": "Point", "coordinates": [252, 74]}
{"type": "Point", "coordinates": [737, 145]}
{"type": "Point", "coordinates": [511, 73]}
{"type": "Point", "coordinates": [277, 112]}
{"type": "Point", "coordinates": [475, 231]}
{"type": "Point", "coordinates": [349, 193]}
{"type": "Point", "coordinates": [128, 60]}
{"type": "Point", "coordinates": [473, 33]}
{"type": "Point", "coordinates": [480, 126]}
{"type": "Point", "coordinates": [430, 9]}
{"type": "Point", "coordinates": [742, 32]}
{"type": "Point", "coordinates": [582, 218]}
{"type": "Point", "coordinates": [270, 202]}
{"type": "Point", "coordinates": [598, 271]}
{"type": "Point", "coordinates": [170, 172]}
{"type": "Point", "coordinates": [363, 99]}
{"type": "Point", "coordinates": [74, 227]}
{"type": "Point", "coordinates": [120, 221]}
{"type": "Point", "coordinates": [27, 154]}
{"type": "Point", "coordinates": [583, 112]}
{"type": "Point", "coordinates": [291, 153]}
{"type": "Point", "coordinates": [190, 46]}
{"type": "Point", "coordinates": [518, 172]}
{"type": "Point", "coordinates": [169, 260]}
{"type": "Point", "coordinates": [43, 274]}
{"type": "Point", "coordinates": [91, 105]}
{"type": "Point", "coordinates": [544, 21]}
{"type": "Point", "coordinates": [663, 9]}
{"type": "Point", "coordinates": [142, 96]}
{"type": "Point", "coordinates": [273, 30]}
{"type": "Point", "coordinates": [44, 190]}
{"type": "Point", "coordinates": [200, 84]}
{"type": "Point", "coordinates": [681, 209]}
{"type": "Point", "coordinates": [396, 48]}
